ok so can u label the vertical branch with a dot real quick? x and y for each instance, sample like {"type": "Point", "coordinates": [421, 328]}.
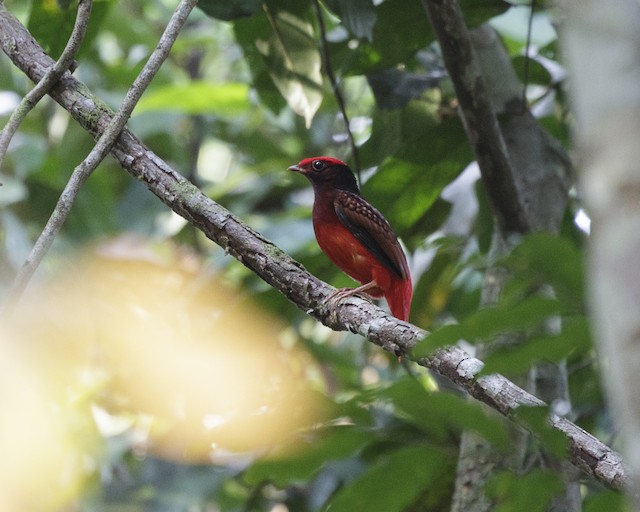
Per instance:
{"type": "Point", "coordinates": [523, 171]}
{"type": "Point", "coordinates": [481, 123]}
{"type": "Point", "coordinates": [526, 54]}
{"type": "Point", "coordinates": [49, 80]}
{"type": "Point", "coordinates": [99, 151]}
{"type": "Point", "coordinates": [326, 60]}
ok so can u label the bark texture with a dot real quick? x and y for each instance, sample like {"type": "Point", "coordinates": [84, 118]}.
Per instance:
{"type": "Point", "coordinates": [479, 117]}
{"type": "Point", "coordinates": [601, 44]}
{"type": "Point", "coordinates": [526, 175]}
{"type": "Point", "coordinates": [542, 173]}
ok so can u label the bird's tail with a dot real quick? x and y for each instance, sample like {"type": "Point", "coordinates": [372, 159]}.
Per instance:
{"type": "Point", "coordinates": [399, 299]}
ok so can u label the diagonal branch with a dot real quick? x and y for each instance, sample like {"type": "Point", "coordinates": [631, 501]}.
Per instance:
{"type": "Point", "coordinates": [51, 77]}
{"type": "Point", "coordinates": [285, 274]}
{"type": "Point", "coordinates": [480, 121]}
{"type": "Point", "coordinates": [99, 152]}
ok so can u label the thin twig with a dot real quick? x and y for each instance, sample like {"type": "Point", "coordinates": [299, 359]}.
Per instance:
{"type": "Point", "coordinates": [526, 55]}
{"type": "Point", "coordinates": [99, 152]}
{"type": "Point", "coordinates": [328, 69]}
{"type": "Point", "coordinates": [50, 79]}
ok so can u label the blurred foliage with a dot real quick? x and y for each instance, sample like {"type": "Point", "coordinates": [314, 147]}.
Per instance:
{"type": "Point", "coordinates": [243, 96]}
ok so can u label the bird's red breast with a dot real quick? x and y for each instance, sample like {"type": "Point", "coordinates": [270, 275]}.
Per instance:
{"type": "Point", "coordinates": [354, 235]}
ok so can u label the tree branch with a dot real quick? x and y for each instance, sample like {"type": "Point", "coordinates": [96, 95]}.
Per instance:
{"type": "Point", "coordinates": [285, 274]}
{"type": "Point", "coordinates": [540, 170]}
{"type": "Point", "coordinates": [523, 172]}
{"type": "Point", "coordinates": [480, 121]}
{"type": "Point", "coordinates": [99, 152]}
{"type": "Point", "coordinates": [328, 69]}
{"type": "Point", "coordinates": [51, 77]}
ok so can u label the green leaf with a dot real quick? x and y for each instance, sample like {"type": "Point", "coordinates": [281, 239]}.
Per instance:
{"type": "Point", "coordinates": [294, 63]}
{"type": "Point", "coordinates": [406, 190]}
{"type": "Point", "coordinates": [536, 73]}
{"type": "Point", "coordinates": [444, 286]}
{"type": "Point", "coordinates": [477, 12]}
{"type": "Point", "coordinates": [197, 97]}
{"type": "Point", "coordinates": [300, 8]}
{"type": "Point", "coordinates": [394, 481]}
{"type": "Point", "coordinates": [329, 444]}
{"type": "Point", "coordinates": [536, 419]}
{"type": "Point", "coordinates": [247, 32]}
{"type": "Point", "coordinates": [401, 29]}
{"type": "Point", "coordinates": [610, 501]}
{"type": "Point", "coordinates": [517, 359]}
{"type": "Point", "coordinates": [230, 9]}
{"type": "Point", "coordinates": [531, 492]}
{"type": "Point", "coordinates": [407, 185]}
{"type": "Point", "coordinates": [549, 259]}
{"type": "Point", "coordinates": [359, 16]}
{"type": "Point", "coordinates": [421, 146]}
{"type": "Point", "coordinates": [51, 23]}
{"type": "Point", "coordinates": [443, 414]}
{"type": "Point", "coordinates": [489, 322]}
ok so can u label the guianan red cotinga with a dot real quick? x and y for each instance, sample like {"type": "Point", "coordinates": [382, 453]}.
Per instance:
{"type": "Point", "coordinates": [355, 236]}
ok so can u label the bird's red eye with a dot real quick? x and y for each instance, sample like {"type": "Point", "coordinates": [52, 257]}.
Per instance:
{"type": "Point", "coordinates": [317, 165]}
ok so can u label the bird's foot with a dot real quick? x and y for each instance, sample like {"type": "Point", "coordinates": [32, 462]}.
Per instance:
{"type": "Point", "coordinates": [343, 293]}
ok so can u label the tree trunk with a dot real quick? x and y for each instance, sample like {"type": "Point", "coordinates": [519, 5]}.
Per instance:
{"type": "Point", "coordinates": [541, 174]}
{"type": "Point", "coordinates": [601, 42]}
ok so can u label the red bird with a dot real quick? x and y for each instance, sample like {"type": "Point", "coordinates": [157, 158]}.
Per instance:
{"type": "Point", "coordinates": [355, 236]}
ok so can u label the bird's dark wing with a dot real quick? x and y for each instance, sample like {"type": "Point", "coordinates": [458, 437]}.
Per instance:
{"type": "Point", "coordinates": [372, 230]}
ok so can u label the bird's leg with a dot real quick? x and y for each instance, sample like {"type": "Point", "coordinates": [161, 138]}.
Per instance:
{"type": "Point", "coordinates": [343, 293]}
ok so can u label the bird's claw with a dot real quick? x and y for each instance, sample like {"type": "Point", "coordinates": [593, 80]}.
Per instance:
{"type": "Point", "coordinates": [343, 293]}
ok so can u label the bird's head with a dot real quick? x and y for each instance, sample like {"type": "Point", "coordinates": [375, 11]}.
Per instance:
{"type": "Point", "coordinates": [326, 172]}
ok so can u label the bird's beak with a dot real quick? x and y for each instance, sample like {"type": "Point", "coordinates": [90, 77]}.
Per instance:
{"type": "Point", "coordinates": [295, 168]}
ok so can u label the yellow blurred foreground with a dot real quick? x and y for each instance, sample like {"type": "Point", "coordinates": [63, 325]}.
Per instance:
{"type": "Point", "coordinates": [150, 348]}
